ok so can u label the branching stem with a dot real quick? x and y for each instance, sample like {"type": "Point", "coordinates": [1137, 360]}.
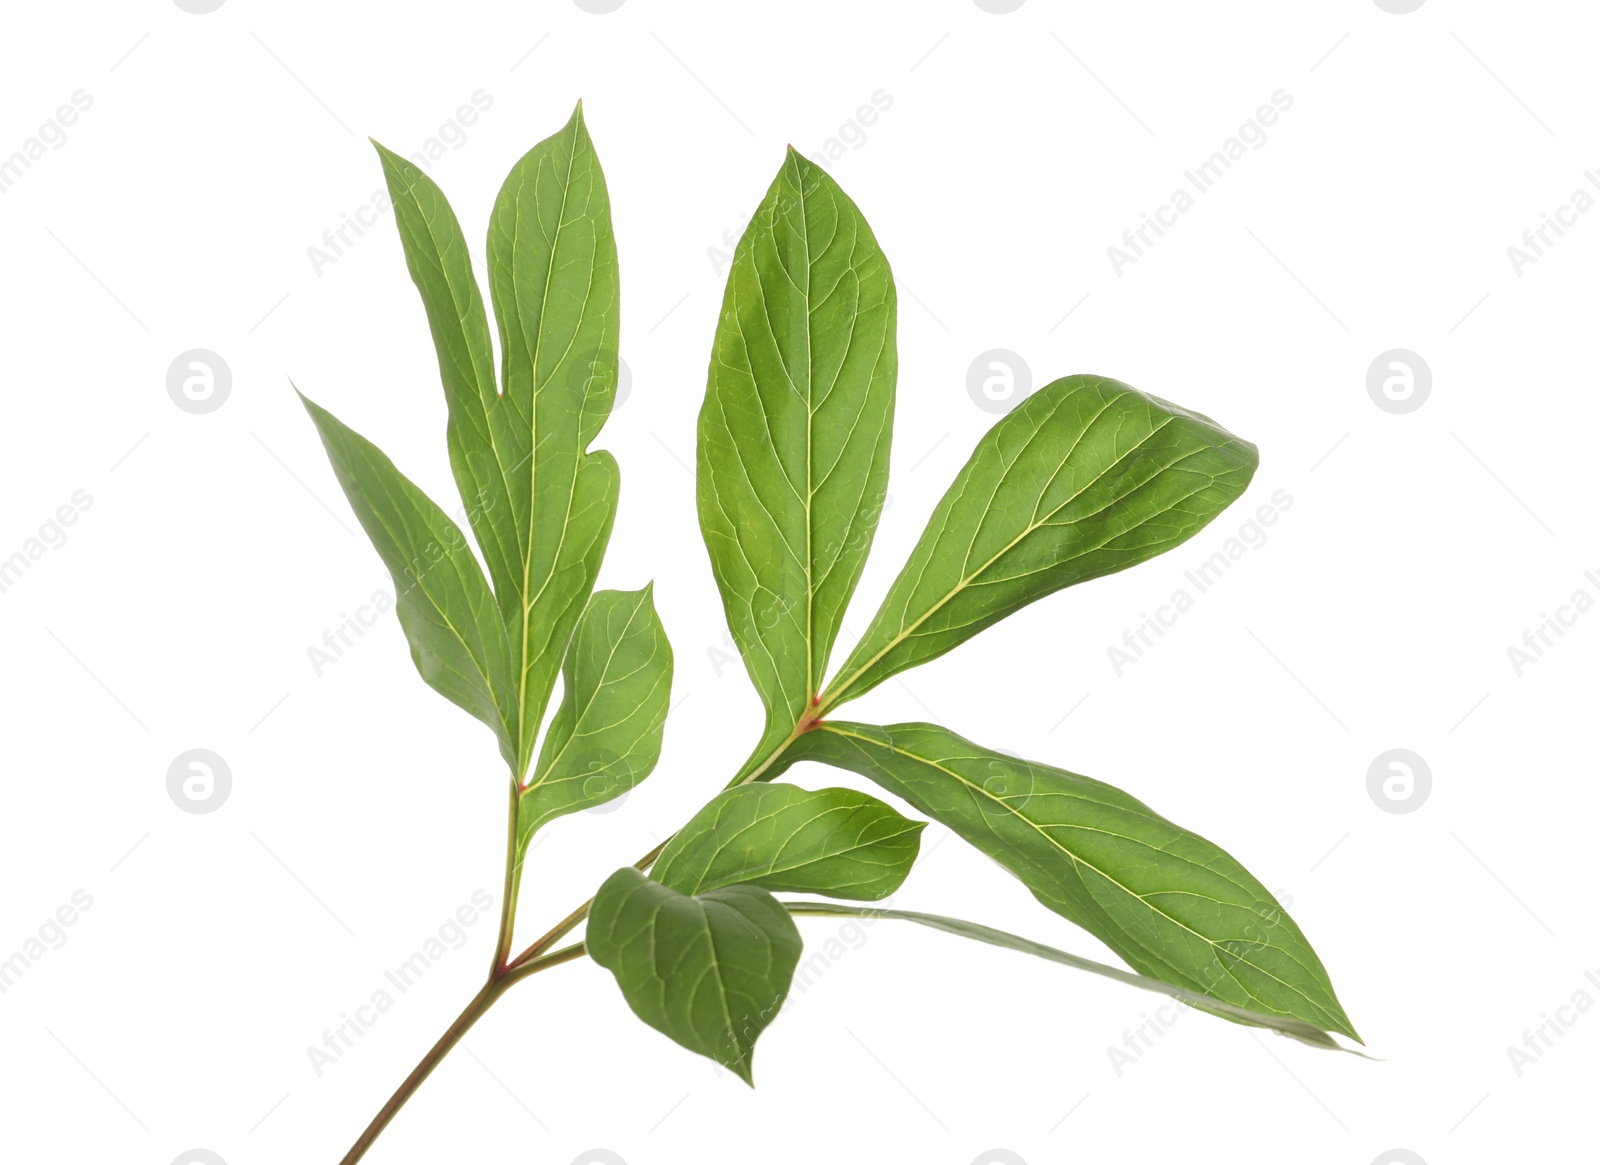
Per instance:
{"type": "Point", "coordinates": [538, 957]}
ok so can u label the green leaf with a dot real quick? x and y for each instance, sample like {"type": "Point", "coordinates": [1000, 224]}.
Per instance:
{"type": "Point", "coordinates": [553, 279]}
{"type": "Point", "coordinates": [1084, 478]}
{"type": "Point", "coordinates": [1295, 1029]}
{"type": "Point", "coordinates": [606, 735]}
{"type": "Point", "coordinates": [709, 970]}
{"type": "Point", "coordinates": [1168, 902]}
{"type": "Point", "coordinates": [441, 267]}
{"type": "Point", "coordinates": [449, 617]}
{"type": "Point", "coordinates": [541, 505]}
{"type": "Point", "coordinates": [833, 841]}
{"type": "Point", "coordinates": [794, 433]}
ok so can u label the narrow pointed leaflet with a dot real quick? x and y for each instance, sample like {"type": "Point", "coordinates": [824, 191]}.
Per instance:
{"type": "Point", "coordinates": [441, 267]}
{"type": "Point", "coordinates": [441, 597]}
{"type": "Point", "coordinates": [1293, 1028]}
{"type": "Point", "coordinates": [1167, 901]}
{"type": "Point", "coordinates": [1084, 478]}
{"type": "Point", "coordinates": [794, 434]}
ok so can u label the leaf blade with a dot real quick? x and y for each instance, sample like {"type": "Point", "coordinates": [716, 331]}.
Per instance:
{"type": "Point", "coordinates": [1293, 1028]}
{"type": "Point", "coordinates": [443, 601]}
{"type": "Point", "coordinates": [1086, 477]}
{"type": "Point", "coordinates": [784, 838]}
{"type": "Point", "coordinates": [553, 280]}
{"type": "Point", "coordinates": [441, 268]}
{"type": "Point", "coordinates": [606, 735]}
{"type": "Point", "coordinates": [708, 971]}
{"type": "Point", "coordinates": [1170, 903]}
{"type": "Point", "coordinates": [793, 437]}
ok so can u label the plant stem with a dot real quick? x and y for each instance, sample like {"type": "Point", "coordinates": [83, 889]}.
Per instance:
{"type": "Point", "coordinates": [508, 897]}
{"type": "Point", "coordinates": [534, 959]}
{"type": "Point", "coordinates": [481, 1002]}
{"type": "Point", "coordinates": [554, 959]}
{"type": "Point", "coordinates": [491, 991]}
{"type": "Point", "coordinates": [561, 929]}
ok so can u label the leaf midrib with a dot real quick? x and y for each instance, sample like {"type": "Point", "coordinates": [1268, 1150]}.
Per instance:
{"type": "Point", "coordinates": [836, 692]}
{"type": "Point", "coordinates": [1076, 860]}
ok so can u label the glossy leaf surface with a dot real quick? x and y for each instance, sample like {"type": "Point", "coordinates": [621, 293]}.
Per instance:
{"type": "Point", "coordinates": [540, 503]}
{"type": "Point", "coordinates": [1085, 477]}
{"type": "Point", "coordinates": [832, 841]}
{"type": "Point", "coordinates": [606, 735]}
{"type": "Point", "coordinates": [794, 432]}
{"type": "Point", "coordinates": [710, 970]}
{"type": "Point", "coordinates": [1170, 903]}
{"type": "Point", "coordinates": [444, 604]}
{"type": "Point", "coordinates": [1295, 1029]}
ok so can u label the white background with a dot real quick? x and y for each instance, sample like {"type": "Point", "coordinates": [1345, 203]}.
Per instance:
{"type": "Point", "coordinates": [365, 809]}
